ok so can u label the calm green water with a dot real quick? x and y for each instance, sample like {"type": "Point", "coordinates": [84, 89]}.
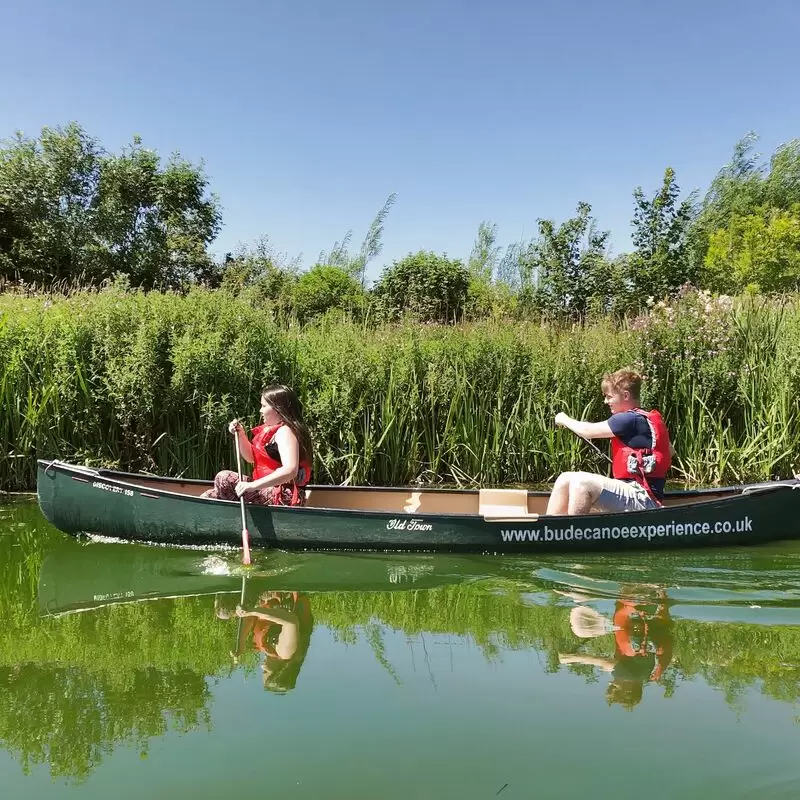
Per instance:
{"type": "Point", "coordinates": [126, 673]}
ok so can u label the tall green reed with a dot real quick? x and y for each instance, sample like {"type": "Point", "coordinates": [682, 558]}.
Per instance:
{"type": "Point", "coordinates": [148, 381]}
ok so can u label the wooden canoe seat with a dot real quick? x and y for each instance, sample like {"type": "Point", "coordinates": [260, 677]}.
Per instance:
{"type": "Point", "coordinates": [413, 503]}
{"type": "Point", "coordinates": [505, 505]}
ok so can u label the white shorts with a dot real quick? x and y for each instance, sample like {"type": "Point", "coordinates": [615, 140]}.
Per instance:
{"type": "Point", "coordinates": [623, 496]}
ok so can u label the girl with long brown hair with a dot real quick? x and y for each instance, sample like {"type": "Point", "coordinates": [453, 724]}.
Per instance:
{"type": "Point", "coordinates": [280, 451]}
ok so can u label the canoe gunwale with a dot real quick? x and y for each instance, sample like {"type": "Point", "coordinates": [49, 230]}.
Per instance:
{"type": "Point", "coordinates": [716, 495]}
{"type": "Point", "coordinates": [115, 475]}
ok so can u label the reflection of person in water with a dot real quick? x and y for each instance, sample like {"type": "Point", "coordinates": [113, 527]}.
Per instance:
{"type": "Point", "coordinates": [642, 646]}
{"type": "Point", "coordinates": [281, 626]}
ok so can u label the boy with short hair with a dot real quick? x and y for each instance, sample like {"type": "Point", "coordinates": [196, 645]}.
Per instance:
{"type": "Point", "coordinates": [641, 454]}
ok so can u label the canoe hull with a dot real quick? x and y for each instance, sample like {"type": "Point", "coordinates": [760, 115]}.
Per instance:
{"type": "Point", "coordinates": [80, 500]}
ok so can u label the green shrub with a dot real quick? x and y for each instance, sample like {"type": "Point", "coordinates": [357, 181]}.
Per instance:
{"type": "Point", "coordinates": [323, 288]}
{"type": "Point", "coordinates": [432, 288]}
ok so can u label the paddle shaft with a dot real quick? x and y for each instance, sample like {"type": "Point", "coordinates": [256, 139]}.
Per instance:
{"type": "Point", "coordinates": [605, 455]}
{"type": "Point", "coordinates": [238, 647]}
{"type": "Point", "coordinates": [245, 534]}
{"type": "Point", "coordinates": [594, 447]}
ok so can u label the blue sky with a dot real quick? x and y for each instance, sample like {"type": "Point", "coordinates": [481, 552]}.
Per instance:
{"type": "Point", "coordinates": [309, 114]}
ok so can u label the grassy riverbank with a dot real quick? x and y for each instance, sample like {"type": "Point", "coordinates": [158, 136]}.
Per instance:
{"type": "Point", "coordinates": [149, 380]}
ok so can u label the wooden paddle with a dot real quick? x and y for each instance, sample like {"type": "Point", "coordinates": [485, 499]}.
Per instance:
{"type": "Point", "coordinates": [245, 534]}
{"type": "Point", "coordinates": [593, 446]}
{"type": "Point", "coordinates": [587, 623]}
{"type": "Point", "coordinates": [239, 647]}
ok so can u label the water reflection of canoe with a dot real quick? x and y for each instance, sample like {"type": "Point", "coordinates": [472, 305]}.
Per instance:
{"type": "Point", "coordinates": [75, 578]}
{"type": "Point", "coordinates": [146, 508]}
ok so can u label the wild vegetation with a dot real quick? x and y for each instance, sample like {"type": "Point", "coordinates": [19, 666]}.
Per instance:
{"type": "Point", "coordinates": [74, 214]}
{"type": "Point", "coordinates": [148, 381]}
{"type": "Point", "coordinates": [123, 342]}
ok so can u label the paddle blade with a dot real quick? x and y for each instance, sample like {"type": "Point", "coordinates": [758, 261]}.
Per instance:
{"type": "Point", "coordinates": [586, 623]}
{"type": "Point", "coordinates": [245, 547]}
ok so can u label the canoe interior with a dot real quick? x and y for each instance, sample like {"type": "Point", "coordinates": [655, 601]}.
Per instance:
{"type": "Point", "coordinates": [411, 500]}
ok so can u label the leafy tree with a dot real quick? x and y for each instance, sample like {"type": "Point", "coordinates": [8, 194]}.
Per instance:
{"type": "Point", "coordinates": [485, 255]}
{"type": "Point", "coordinates": [661, 263]}
{"type": "Point", "coordinates": [743, 187]}
{"type": "Point", "coordinates": [48, 188]}
{"type": "Point", "coordinates": [782, 185]}
{"type": "Point", "coordinates": [11, 231]}
{"type": "Point", "coordinates": [70, 210]}
{"type": "Point", "coordinates": [154, 222]}
{"type": "Point", "coordinates": [72, 718]}
{"type": "Point", "coordinates": [433, 288]}
{"type": "Point", "coordinates": [323, 288]}
{"type": "Point", "coordinates": [512, 268]}
{"type": "Point", "coordinates": [565, 271]}
{"type": "Point", "coordinates": [756, 252]}
{"type": "Point", "coordinates": [737, 187]}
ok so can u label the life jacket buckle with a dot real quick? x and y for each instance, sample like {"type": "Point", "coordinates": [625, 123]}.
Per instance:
{"type": "Point", "coordinates": [641, 465]}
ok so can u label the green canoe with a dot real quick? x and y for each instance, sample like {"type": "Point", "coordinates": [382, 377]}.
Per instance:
{"type": "Point", "coordinates": [141, 507]}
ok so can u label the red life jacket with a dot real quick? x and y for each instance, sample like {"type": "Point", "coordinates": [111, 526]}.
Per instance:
{"type": "Point", "coordinates": [639, 463]}
{"type": "Point", "coordinates": [266, 464]}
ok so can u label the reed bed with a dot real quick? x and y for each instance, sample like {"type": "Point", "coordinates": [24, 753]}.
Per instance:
{"type": "Point", "coordinates": [148, 381]}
